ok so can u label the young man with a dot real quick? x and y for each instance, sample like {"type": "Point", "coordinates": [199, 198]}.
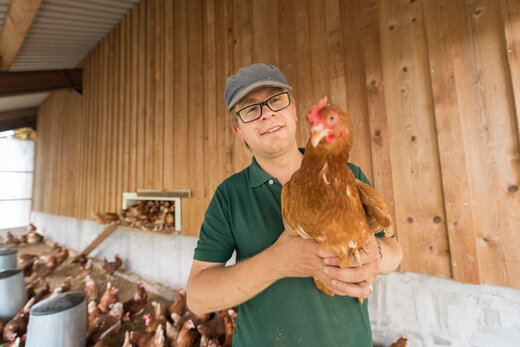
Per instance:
{"type": "Point", "coordinates": [272, 280]}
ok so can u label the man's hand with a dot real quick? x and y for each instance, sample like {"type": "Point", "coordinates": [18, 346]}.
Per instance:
{"type": "Point", "coordinates": [294, 256]}
{"type": "Point", "coordinates": [355, 281]}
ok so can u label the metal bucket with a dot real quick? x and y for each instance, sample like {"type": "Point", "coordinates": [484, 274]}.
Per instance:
{"type": "Point", "coordinates": [12, 293]}
{"type": "Point", "coordinates": [58, 321]}
{"type": "Point", "coordinates": [7, 258]}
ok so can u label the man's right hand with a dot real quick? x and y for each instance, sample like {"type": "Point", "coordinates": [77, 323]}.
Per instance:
{"type": "Point", "coordinates": [294, 256]}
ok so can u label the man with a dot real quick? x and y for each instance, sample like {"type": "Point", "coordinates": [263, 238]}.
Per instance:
{"type": "Point", "coordinates": [272, 279]}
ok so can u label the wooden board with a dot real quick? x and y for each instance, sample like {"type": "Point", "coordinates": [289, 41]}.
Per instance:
{"type": "Point", "coordinates": [107, 231]}
{"type": "Point", "coordinates": [450, 134]}
{"type": "Point", "coordinates": [413, 148]}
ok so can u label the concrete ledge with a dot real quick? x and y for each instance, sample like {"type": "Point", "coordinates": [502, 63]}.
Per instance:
{"type": "Point", "coordinates": [163, 259]}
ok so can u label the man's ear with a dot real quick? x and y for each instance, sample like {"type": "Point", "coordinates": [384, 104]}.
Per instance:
{"type": "Point", "coordinates": [239, 133]}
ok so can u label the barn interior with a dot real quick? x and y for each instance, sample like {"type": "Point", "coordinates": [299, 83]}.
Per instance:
{"type": "Point", "coordinates": [105, 103]}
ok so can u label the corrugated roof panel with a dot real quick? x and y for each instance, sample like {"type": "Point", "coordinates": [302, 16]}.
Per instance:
{"type": "Point", "coordinates": [63, 32]}
{"type": "Point", "coordinates": [4, 5]}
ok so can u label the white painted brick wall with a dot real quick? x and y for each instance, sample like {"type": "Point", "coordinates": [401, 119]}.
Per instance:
{"type": "Point", "coordinates": [434, 311]}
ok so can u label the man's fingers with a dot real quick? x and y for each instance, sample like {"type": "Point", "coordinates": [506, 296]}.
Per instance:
{"type": "Point", "coordinates": [324, 253]}
{"type": "Point", "coordinates": [332, 261]}
{"type": "Point", "coordinates": [359, 290]}
{"type": "Point", "coordinates": [350, 275]}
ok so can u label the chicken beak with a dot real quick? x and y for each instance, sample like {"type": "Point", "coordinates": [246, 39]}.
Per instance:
{"type": "Point", "coordinates": [317, 133]}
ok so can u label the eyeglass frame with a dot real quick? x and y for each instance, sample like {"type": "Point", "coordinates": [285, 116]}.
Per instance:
{"type": "Point", "coordinates": [261, 104]}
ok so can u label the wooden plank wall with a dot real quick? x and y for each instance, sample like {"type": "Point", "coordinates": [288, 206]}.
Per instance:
{"type": "Point", "coordinates": [432, 87]}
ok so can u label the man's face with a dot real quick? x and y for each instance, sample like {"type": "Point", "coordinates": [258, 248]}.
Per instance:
{"type": "Point", "coordinates": [274, 132]}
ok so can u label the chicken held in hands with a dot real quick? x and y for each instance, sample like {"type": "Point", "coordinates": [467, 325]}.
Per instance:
{"type": "Point", "coordinates": [324, 201]}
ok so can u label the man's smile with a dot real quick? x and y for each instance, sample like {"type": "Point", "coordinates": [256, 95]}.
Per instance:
{"type": "Point", "coordinates": [272, 130]}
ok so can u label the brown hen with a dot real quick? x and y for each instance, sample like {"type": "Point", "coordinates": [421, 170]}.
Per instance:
{"type": "Point", "coordinates": [323, 200]}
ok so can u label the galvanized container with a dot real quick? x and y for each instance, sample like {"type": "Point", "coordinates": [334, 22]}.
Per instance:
{"type": "Point", "coordinates": [12, 293]}
{"type": "Point", "coordinates": [58, 321]}
{"type": "Point", "coordinates": [8, 258]}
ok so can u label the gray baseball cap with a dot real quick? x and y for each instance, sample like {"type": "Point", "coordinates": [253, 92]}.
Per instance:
{"type": "Point", "coordinates": [252, 77]}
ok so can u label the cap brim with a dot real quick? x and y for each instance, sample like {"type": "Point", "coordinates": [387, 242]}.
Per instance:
{"type": "Point", "coordinates": [254, 86]}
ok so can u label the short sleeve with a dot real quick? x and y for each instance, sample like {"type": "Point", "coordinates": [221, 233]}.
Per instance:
{"type": "Point", "coordinates": [216, 242]}
{"type": "Point", "coordinates": [356, 170]}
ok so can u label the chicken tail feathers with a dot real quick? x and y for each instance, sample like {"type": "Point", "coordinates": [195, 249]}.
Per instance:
{"type": "Point", "coordinates": [377, 213]}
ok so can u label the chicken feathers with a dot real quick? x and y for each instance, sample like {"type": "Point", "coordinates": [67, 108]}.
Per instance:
{"type": "Point", "coordinates": [324, 201]}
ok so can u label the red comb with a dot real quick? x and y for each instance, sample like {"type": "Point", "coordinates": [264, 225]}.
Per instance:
{"type": "Point", "coordinates": [314, 115]}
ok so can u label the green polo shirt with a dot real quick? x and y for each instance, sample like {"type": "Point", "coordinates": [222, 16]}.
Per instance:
{"type": "Point", "coordinates": [245, 215]}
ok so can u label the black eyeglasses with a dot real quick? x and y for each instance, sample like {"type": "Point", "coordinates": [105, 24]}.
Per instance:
{"type": "Point", "coordinates": [275, 103]}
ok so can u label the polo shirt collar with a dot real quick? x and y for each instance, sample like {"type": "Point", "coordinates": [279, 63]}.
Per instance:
{"type": "Point", "coordinates": [257, 176]}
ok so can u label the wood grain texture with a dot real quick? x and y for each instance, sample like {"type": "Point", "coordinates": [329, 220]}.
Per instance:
{"type": "Point", "coordinates": [413, 143]}
{"type": "Point", "coordinates": [486, 101]}
{"type": "Point", "coordinates": [210, 110]}
{"type": "Point", "coordinates": [511, 21]}
{"type": "Point", "coordinates": [376, 106]}
{"type": "Point", "coordinates": [450, 136]}
{"type": "Point", "coordinates": [432, 87]}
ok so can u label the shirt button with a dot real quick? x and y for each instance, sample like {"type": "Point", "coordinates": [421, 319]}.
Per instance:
{"type": "Point", "coordinates": [271, 181]}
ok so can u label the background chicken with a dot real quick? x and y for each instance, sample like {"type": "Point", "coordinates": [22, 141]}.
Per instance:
{"type": "Point", "coordinates": [110, 267]}
{"type": "Point", "coordinates": [17, 326]}
{"type": "Point", "coordinates": [176, 310]}
{"type": "Point", "coordinates": [401, 342]}
{"type": "Point", "coordinates": [138, 302]}
{"type": "Point", "coordinates": [323, 200]}
{"type": "Point", "coordinates": [105, 217]}
{"type": "Point", "coordinates": [43, 266]}
{"type": "Point", "coordinates": [25, 261]}
{"type": "Point", "coordinates": [109, 297]}
{"type": "Point", "coordinates": [84, 266]}
{"type": "Point", "coordinates": [91, 289]}
{"type": "Point", "coordinates": [106, 324]}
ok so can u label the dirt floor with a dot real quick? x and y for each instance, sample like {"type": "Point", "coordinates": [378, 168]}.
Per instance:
{"type": "Point", "coordinates": [126, 288]}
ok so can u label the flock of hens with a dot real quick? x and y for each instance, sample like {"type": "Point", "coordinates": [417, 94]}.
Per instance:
{"type": "Point", "coordinates": [152, 215]}
{"type": "Point", "coordinates": [170, 325]}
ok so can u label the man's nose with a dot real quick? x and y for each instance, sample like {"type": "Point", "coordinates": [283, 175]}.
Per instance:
{"type": "Point", "coordinates": [266, 111]}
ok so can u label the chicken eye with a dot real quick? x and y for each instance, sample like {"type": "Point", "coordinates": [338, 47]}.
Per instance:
{"type": "Point", "coordinates": [332, 118]}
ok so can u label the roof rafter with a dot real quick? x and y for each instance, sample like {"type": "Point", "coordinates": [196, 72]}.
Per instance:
{"type": "Point", "coordinates": [25, 82]}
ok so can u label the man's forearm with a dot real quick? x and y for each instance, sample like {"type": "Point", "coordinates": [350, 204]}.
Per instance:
{"type": "Point", "coordinates": [392, 255]}
{"type": "Point", "coordinates": [221, 287]}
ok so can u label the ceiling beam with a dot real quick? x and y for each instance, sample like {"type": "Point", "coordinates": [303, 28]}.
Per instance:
{"type": "Point", "coordinates": [17, 21]}
{"type": "Point", "coordinates": [26, 82]}
{"type": "Point", "coordinates": [23, 118]}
